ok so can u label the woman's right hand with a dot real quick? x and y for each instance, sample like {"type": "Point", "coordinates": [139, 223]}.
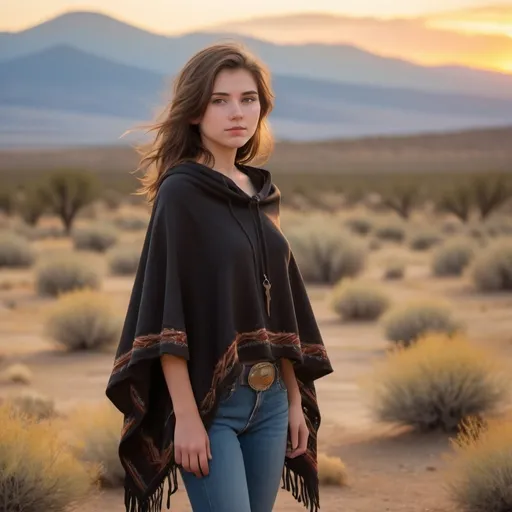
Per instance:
{"type": "Point", "coordinates": [192, 445]}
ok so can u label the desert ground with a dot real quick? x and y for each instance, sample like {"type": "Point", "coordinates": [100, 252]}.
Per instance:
{"type": "Point", "coordinates": [389, 467]}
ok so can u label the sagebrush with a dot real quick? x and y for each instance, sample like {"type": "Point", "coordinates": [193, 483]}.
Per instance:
{"type": "Point", "coordinates": [492, 268]}
{"type": "Point", "coordinates": [404, 324]}
{"type": "Point", "coordinates": [480, 467]}
{"type": "Point", "coordinates": [93, 433]}
{"type": "Point", "coordinates": [358, 301]}
{"type": "Point", "coordinates": [15, 251]}
{"type": "Point", "coordinates": [324, 252]}
{"type": "Point", "coordinates": [452, 258]}
{"type": "Point", "coordinates": [83, 320]}
{"type": "Point", "coordinates": [38, 471]}
{"type": "Point", "coordinates": [65, 272]}
{"type": "Point", "coordinates": [437, 383]}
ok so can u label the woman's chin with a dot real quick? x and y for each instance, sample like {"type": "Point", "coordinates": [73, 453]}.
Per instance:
{"type": "Point", "coordinates": [235, 143]}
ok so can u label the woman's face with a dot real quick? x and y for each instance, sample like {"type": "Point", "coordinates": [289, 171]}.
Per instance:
{"type": "Point", "coordinates": [233, 111]}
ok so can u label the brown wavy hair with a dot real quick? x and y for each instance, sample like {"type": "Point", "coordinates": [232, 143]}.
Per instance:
{"type": "Point", "coordinates": [177, 139]}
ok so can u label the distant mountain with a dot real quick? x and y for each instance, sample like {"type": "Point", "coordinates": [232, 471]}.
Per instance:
{"type": "Point", "coordinates": [51, 89]}
{"type": "Point", "coordinates": [425, 40]}
{"type": "Point", "coordinates": [109, 38]}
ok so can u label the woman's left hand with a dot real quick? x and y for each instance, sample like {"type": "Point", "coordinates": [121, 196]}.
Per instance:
{"type": "Point", "coordinates": [298, 431]}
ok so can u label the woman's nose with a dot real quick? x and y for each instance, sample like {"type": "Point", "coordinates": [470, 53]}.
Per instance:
{"type": "Point", "coordinates": [236, 111]}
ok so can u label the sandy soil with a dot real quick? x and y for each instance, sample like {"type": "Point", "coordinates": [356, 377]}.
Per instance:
{"type": "Point", "coordinates": [389, 468]}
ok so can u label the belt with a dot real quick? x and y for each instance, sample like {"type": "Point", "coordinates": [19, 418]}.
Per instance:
{"type": "Point", "coordinates": [259, 376]}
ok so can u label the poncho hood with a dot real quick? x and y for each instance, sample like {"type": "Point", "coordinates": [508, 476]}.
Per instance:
{"type": "Point", "coordinates": [217, 284]}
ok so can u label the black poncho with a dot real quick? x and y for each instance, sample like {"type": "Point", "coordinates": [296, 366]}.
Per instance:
{"type": "Point", "coordinates": [217, 284]}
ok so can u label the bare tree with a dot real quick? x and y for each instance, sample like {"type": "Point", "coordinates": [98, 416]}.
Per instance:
{"type": "Point", "coordinates": [66, 192]}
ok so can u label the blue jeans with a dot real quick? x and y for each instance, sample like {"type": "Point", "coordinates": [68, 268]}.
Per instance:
{"type": "Point", "coordinates": [248, 443]}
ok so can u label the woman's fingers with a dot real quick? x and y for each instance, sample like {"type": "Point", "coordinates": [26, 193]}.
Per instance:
{"type": "Point", "coordinates": [302, 442]}
{"type": "Point", "coordinates": [294, 436]}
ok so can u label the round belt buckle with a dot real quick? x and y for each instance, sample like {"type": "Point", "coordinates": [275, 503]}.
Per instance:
{"type": "Point", "coordinates": [261, 376]}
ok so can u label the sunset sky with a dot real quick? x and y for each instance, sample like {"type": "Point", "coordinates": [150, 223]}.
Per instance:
{"type": "Point", "coordinates": [170, 17]}
{"type": "Point", "coordinates": [467, 32]}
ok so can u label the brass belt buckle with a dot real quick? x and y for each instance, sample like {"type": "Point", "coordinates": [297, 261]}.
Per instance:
{"type": "Point", "coordinates": [261, 376]}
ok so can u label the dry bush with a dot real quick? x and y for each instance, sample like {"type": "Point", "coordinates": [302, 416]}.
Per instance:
{"type": "Point", "coordinates": [480, 467]}
{"type": "Point", "coordinates": [331, 470]}
{"type": "Point", "coordinates": [15, 251]}
{"type": "Point", "coordinates": [38, 472]}
{"type": "Point", "coordinates": [436, 383]}
{"type": "Point", "coordinates": [95, 237]}
{"type": "Point", "coordinates": [131, 221]}
{"type": "Point", "coordinates": [324, 253]}
{"type": "Point", "coordinates": [452, 258]}
{"type": "Point", "coordinates": [392, 231]}
{"type": "Point", "coordinates": [93, 433]}
{"type": "Point", "coordinates": [394, 270]}
{"type": "Point", "coordinates": [451, 227]}
{"type": "Point", "coordinates": [123, 260]}
{"type": "Point", "coordinates": [48, 231]}
{"type": "Point", "coordinates": [424, 239]}
{"type": "Point", "coordinates": [83, 320]}
{"type": "Point", "coordinates": [358, 301]}
{"type": "Point", "coordinates": [359, 225]}
{"type": "Point", "coordinates": [66, 272]}
{"type": "Point", "coordinates": [34, 405]}
{"type": "Point", "coordinates": [498, 226]}
{"type": "Point", "coordinates": [18, 373]}
{"type": "Point", "coordinates": [405, 324]}
{"type": "Point", "coordinates": [492, 268]}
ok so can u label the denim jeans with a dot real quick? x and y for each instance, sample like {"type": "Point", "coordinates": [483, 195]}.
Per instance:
{"type": "Point", "coordinates": [248, 442]}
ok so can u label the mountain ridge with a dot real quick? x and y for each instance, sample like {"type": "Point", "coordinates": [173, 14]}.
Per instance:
{"type": "Point", "coordinates": [166, 54]}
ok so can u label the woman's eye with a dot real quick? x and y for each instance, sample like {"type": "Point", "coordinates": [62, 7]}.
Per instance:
{"type": "Point", "coordinates": [217, 101]}
{"type": "Point", "coordinates": [250, 100]}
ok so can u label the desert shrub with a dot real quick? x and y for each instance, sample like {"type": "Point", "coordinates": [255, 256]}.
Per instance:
{"type": "Point", "coordinates": [391, 230]}
{"type": "Point", "coordinates": [15, 251]}
{"type": "Point", "coordinates": [51, 231]}
{"type": "Point", "coordinates": [97, 237]}
{"type": "Point", "coordinates": [18, 373]}
{"type": "Point", "coordinates": [498, 226]}
{"type": "Point", "coordinates": [405, 324]}
{"type": "Point", "coordinates": [451, 227]}
{"type": "Point", "coordinates": [124, 260]}
{"type": "Point", "coordinates": [451, 258]}
{"type": "Point", "coordinates": [34, 405]}
{"type": "Point", "coordinates": [7, 202]}
{"type": "Point", "coordinates": [490, 193]}
{"type": "Point", "coordinates": [358, 301]}
{"type": "Point", "coordinates": [480, 467]}
{"type": "Point", "coordinates": [83, 320]}
{"type": "Point", "coordinates": [112, 199]}
{"type": "Point", "coordinates": [403, 199]}
{"type": "Point", "coordinates": [94, 436]}
{"type": "Point", "coordinates": [458, 201]}
{"type": "Point", "coordinates": [492, 268]}
{"type": "Point", "coordinates": [331, 470]}
{"type": "Point", "coordinates": [324, 253]}
{"type": "Point", "coordinates": [131, 221]}
{"type": "Point", "coordinates": [394, 270]}
{"type": "Point", "coordinates": [359, 225]}
{"type": "Point", "coordinates": [37, 471]}
{"type": "Point", "coordinates": [31, 205]}
{"type": "Point", "coordinates": [66, 272]}
{"type": "Point", "coordinates": [436, 383]}
{"type": "Point", "coordinates": [423, 240]}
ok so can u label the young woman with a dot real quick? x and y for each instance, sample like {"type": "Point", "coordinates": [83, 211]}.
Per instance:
{"type": "Point", "coordinates": [217, 360]}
